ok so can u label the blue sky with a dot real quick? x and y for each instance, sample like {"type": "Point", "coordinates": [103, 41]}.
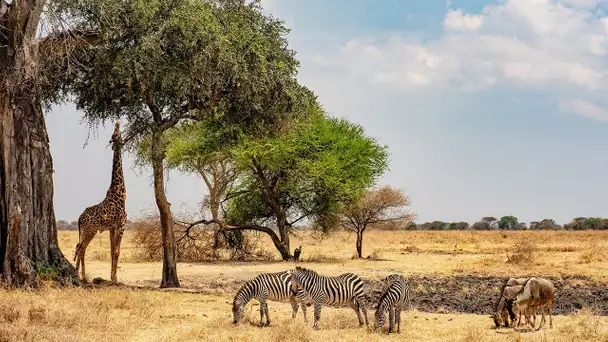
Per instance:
{"type": "Point", "coordinates": [488, 108]}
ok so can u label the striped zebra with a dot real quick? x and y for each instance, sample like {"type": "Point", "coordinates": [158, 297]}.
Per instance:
{"type": "Point", "coordinates": [396, 295]}
{"type": "Point", "coordinates": [343, 290]}
{"type": "Point", "coordinates": [266, 286]}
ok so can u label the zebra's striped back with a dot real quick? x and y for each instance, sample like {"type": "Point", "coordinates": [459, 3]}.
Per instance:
{"type": "Point", "coordinates": [272, 286]}
{"type": "Point", "coordinates": [341, 290]}
{"type": "Point", "coordinates": [397, 293]}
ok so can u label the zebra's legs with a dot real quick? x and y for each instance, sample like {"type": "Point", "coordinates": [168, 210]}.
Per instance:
{"type": "Point", "coordinates": [264, 311]}
{"type": "Point", "coordinates": [317, 316]}
{"type": "Point", "coordinates": [356, 307]}
{"type": "Point", "coordinates": [294, 307]}
{"type": "Point", "coordinates": [304, 312]}
{"type": "Point", "coordinates": [391, 319]}
{"type": "Point", "coordinates": [267, 316]}
{"type": "Point", "coordinates": [398, 318]}
{"type": "Point", "coordinates": [364, 310]}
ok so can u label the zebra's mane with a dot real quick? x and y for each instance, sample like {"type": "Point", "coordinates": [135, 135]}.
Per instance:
{"type": "Point", "coordinates": [306, 270]}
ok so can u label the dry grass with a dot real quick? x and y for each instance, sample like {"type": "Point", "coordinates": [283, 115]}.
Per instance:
{"type": "Point", "coordinates": [522, 253]}
{"type": "Point", "coordinates": [412, 252]}
{"type": "Point", "coordinates": [147, 315]}
{"type": "Point", "coordinates": [123, 314]}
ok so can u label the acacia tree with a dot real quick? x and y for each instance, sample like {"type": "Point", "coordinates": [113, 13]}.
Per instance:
{"type": "Point", "coordinates": [302, 176]}
{"type": "Point", "coordinates": [160, 62]}
{"type": "Point", "coordinates": [377, 207]}
{"type": "Point", "coordinates": [507, 222]}
{"type": "Point", "coordinates": [199, 148]}
{"type": "Point", "coordinates": [28, 59]}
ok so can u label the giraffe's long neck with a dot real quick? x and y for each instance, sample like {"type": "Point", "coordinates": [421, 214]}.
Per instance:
{"type": "Point", "coordinates": [117, 186]}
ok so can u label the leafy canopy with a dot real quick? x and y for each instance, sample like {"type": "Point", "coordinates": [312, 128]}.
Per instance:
{"type": "Point", "coordinates": [160, 61]}
{"type": "Point", "coordinates": [314, 170]}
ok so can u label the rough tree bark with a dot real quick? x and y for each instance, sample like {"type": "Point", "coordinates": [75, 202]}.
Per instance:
{"type": "Point", "coordinates": [360, 244]}
{"type": "Point", "coordinates": [164, 209]}
{"type": "Point", "coordinates": [28, 235]}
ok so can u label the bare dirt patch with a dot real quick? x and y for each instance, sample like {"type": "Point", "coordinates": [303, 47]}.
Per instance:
{"type": "Point", "coordinates": [472, 294]}
{"type": "Point", "coordinates": [479, 294]}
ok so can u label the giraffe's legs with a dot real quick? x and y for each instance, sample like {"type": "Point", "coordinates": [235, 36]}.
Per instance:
{"type": "Point", "coordinates": [87, 236]}
{"type": "Point", "coordinates": [115, 238]}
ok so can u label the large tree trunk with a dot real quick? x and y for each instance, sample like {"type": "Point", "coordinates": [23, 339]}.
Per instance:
{"type": "Point", "coordinates": [283, 248]}
{"type": "Point", "coordinates": [360, 244]}
{"type": "Point", "coordinates": [166, 219]}
{"type": "Point", "coordinates": [28, 235]}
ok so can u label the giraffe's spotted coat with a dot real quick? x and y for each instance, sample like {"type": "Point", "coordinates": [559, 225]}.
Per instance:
{"type": "Point", "coordinates": [110, 214]}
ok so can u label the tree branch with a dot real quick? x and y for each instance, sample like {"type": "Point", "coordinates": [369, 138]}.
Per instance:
{"type": "Point", "coordinates": [72, 38]}
{"type": "Point", "coordinates": [224, 226]}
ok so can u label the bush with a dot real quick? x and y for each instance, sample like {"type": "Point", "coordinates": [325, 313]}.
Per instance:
{"type": "Point", "coordinates": [522, 253]}
{"type": "Point", "coordinates": [201, 245]}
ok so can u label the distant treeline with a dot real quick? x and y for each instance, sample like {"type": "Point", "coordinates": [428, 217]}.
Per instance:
{"type": "Point", "coordinates": [512, 223]}
{"type": "Point", "coordinates": [65, 225]}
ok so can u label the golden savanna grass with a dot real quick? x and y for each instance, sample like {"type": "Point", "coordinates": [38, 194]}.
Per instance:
{"type": "Point", "coordinates": [129, 313]}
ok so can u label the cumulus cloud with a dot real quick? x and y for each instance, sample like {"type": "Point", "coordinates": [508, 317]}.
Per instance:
{"type": "Point", "coordinates": [457, 20]}
{"type": "Point", "coordinates": [586, 109]}
{"type": "Point", "coordinates": [544, 44]}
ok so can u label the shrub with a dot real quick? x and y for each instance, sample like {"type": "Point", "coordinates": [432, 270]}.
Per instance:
{"type": "Point", "coordinates": [199, 245]}
{"type": "Point", "coordinates": [522, 253]}
{"type": "Point", "coordinates": [9, 314]}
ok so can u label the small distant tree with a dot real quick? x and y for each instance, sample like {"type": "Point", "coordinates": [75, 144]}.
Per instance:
{"type": "Point", "coordinates": [507, 222]}
{"type": "Point", "coordinates": [378, 207]}
{"type": "Point", "coordinates": [458, 226]}
{"type": "Point", "coordinates": [411, 226]}
{"type": "Point", "coordinates": [520, 226]}
{"type": "Point", "coordinates": [435, 225]}
{"type": "Point", "coordinates": [481, 225]}
{"type": "Point", "coordinates": [587, 223]}
{"type": "Point", "coordinates": [546, 224]}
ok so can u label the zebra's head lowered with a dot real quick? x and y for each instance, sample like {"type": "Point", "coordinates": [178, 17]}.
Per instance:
{"type": "Point", "coordinates": [298, 290]}
{"type": "Point", "coordinates": [238, 310]}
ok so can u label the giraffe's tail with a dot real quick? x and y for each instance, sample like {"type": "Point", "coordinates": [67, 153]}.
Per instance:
{"type": "Point", "coordinates": [78, 244]}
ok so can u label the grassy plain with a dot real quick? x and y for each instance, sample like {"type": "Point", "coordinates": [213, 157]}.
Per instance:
{"type": "Point", "coordinates": [138, 312]}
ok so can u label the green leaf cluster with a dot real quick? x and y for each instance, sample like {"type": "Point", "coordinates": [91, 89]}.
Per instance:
{"type": "Point", "coordinates": [160, 61]}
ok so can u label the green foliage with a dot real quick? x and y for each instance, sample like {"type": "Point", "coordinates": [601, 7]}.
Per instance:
{"type": "Point", "coordinates": [545, 224]}
{"type": "Point", "coordinates": [322, 164]}
{"type": "Point", "coordinates": [458, 226]}
{"type": "Point", "coordinates": [435, 225]}
{"type": "Point", "coordinates": [161, 61]}
{"type": "Point", "coordinates": [587, 223]}
{"type": "Point", "coordinates": [507, 222]}
{"type": "Point", "coordinates": [46, 271]}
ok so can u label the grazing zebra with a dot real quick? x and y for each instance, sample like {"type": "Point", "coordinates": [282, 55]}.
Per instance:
{"type": "Point", "coordinates": [266, 286]}
{"type": "Point", "coordinates": [343, 290]}
{"type": "Point", "coordinates": [396, 294]}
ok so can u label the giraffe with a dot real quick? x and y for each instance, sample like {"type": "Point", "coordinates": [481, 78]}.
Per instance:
{"type": "Point", "coordinates": [110, 214]}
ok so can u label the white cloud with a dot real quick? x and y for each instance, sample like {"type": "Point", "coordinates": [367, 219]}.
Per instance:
{"type": "Point", "coordinates": [581, 3]}
{"type": "Point", "coordinates": [558, 46]}
{"type": "Point", "coordinates": [586, 109]}
{"type": "Point", "coordinates": [458, 21]}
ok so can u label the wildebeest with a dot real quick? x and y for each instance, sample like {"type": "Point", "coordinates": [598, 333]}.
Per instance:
{"type": "Point", "coordinates": [538, 292]}
{"type": "Point", "coordinates": [504, 306]}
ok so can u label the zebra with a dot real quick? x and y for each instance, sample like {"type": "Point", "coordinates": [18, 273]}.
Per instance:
{"type": "Point", "coordinates": [343, 290]}
{"type": "Point", "coordinates": [266, 286]}
{"type": "Point", "coordinates": [396, 294]}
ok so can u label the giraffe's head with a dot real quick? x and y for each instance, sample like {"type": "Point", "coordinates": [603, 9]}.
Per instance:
{"type": "Point", "coordinates": [116, 135]}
